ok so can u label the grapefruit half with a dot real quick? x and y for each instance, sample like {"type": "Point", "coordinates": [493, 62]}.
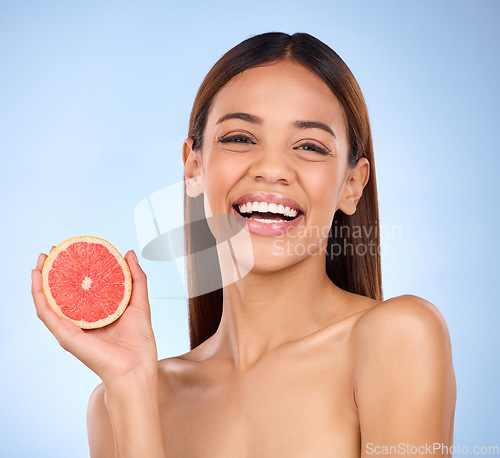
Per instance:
{"type": "Point", "coordinates": [86, 280]}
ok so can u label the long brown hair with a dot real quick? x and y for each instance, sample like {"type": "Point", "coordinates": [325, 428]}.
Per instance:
{"type": "Point", "coordinates": [353, 268]}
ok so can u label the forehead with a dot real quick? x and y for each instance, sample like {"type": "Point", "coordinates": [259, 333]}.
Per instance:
{"type": "Point", "coordinates": [286, 90]}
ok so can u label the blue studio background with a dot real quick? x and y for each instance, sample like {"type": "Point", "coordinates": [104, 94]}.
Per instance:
{"type": "Point", "coordinates": [94, 105]}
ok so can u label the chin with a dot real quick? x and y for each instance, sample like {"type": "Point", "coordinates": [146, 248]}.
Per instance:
{"type": "Point", "coordinates": [272, 260]}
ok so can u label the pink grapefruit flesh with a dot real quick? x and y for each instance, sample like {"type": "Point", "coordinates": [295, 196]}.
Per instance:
{"type": "Point", "coordinates": [86, 280]}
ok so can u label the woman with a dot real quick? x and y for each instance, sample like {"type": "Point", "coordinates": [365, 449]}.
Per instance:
{"type": "Point", "coordinates": [301, 356]}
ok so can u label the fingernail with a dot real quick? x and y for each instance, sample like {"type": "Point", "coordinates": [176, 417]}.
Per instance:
{"type": "Point", "coordinates": [135, 257]}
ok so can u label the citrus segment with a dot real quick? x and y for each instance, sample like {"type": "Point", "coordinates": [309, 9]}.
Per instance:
{"type": "Point", "coordinates": [86, 280]}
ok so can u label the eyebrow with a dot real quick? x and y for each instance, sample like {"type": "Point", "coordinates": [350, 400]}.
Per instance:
{"type": "Point", "coordinates": [244, 116]}
{"type": "Point", "coordinates": [315, 125]}
{"type": "Point", "coordinates": [256, 120]}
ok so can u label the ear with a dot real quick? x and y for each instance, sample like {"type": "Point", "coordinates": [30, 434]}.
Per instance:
{"type": "Point", "coordinates": [192, 169]}
{"type": "Point", "coordinates": [356, 180]}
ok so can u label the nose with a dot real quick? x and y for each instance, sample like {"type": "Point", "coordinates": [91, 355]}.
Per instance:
{"type": "Point", "coordinates": [272, 165]}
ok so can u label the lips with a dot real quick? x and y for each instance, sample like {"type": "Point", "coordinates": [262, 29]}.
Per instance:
{"type": "Point", "coordinates": [269, 228]}
{"type": "Point", "coordinates": [270, 198]}
{"type": "Point", "coordinates": [268, 223]}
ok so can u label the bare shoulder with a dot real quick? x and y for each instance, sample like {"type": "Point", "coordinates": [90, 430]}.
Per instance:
{"type": "Point", "coordinates": [195, 368]}
{"type": "Point", "coordinates": [404, 382]}
{"type": "Point", "coordinates": [175, 364]}
{"type": "Point", "coordinates": [403, 343]}
{"type": "Point", "coordinates": [406, 317]}
{"type": "Point", "coordinates": [186, 361]}
{"type": "Point", "coordinates": [167, 370]}
{"type": "Point", "coordinates": [100, 431]}
{"type": "Point", "coordinates": [175, 372]}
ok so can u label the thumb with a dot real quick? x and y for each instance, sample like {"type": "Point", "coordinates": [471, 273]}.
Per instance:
{"type": "Point", "coordinates": [139, 281]}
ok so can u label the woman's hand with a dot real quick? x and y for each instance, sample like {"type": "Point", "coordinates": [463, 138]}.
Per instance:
{"type": "Point", "coordinates": [123, 349]}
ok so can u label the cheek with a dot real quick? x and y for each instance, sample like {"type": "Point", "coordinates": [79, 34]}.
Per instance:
{"type": "Point", "coordinates": [220, 176]}
{"type": "Point", "coordinates": [323, 190]}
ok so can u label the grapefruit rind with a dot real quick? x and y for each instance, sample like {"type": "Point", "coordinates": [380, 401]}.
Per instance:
{"type": "Point", "coordinates": [47, 266]}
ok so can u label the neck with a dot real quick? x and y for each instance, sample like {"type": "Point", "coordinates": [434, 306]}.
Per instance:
{"type": "Point", "coordinates": [265, 310]}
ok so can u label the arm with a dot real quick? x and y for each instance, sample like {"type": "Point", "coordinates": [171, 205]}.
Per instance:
{"type": "Point", "coordinates": [99, 428]}
{"type": "Point", "coordinates": [404, 383]}
{"type": "Point", "coordinates": [125, 421]}
{"type": "Point", "coordinates": [123, 416]}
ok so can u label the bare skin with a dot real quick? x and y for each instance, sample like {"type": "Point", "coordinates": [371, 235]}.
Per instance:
{"type": "Point", "coordinates": [327, 394]}
{"type": "Point", "coordinates": [309, 397]}
{"type": "Point", "coordinates": [298, 367]}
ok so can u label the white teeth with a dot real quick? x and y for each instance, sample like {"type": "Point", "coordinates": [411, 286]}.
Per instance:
{"type": "Point", "coordinates": [271, 220]}
{"type": "Point", "coordinates": [265, 207]}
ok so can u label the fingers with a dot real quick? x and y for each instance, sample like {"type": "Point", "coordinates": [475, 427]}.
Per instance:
{"type": "Point", "coordinates": [62, 329]}
{"type": "Point", "coordinates": [68, 334]}
{"type": "Point", "coordinates": [95, 348]}
{"type": "Point", "coordinates": [41, 259]}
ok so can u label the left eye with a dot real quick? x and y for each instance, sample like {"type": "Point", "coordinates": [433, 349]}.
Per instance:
{"type": "Point", "coordinates": [314, 147]}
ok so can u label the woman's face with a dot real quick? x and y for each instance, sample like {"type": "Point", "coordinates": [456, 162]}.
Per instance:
{"type": "Point", "coordinates": [278, 131]}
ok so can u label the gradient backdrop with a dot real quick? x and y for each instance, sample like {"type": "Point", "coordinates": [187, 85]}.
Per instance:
{"type": "Point", "coordinates": [94, 105]}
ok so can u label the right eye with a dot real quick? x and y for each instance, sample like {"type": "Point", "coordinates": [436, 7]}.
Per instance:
{"type": "Point", "coordinates": [239, 138]}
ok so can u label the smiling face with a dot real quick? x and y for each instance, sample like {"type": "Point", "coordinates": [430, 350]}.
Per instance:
{"type": "Point", "coordinates": [277, 131]}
